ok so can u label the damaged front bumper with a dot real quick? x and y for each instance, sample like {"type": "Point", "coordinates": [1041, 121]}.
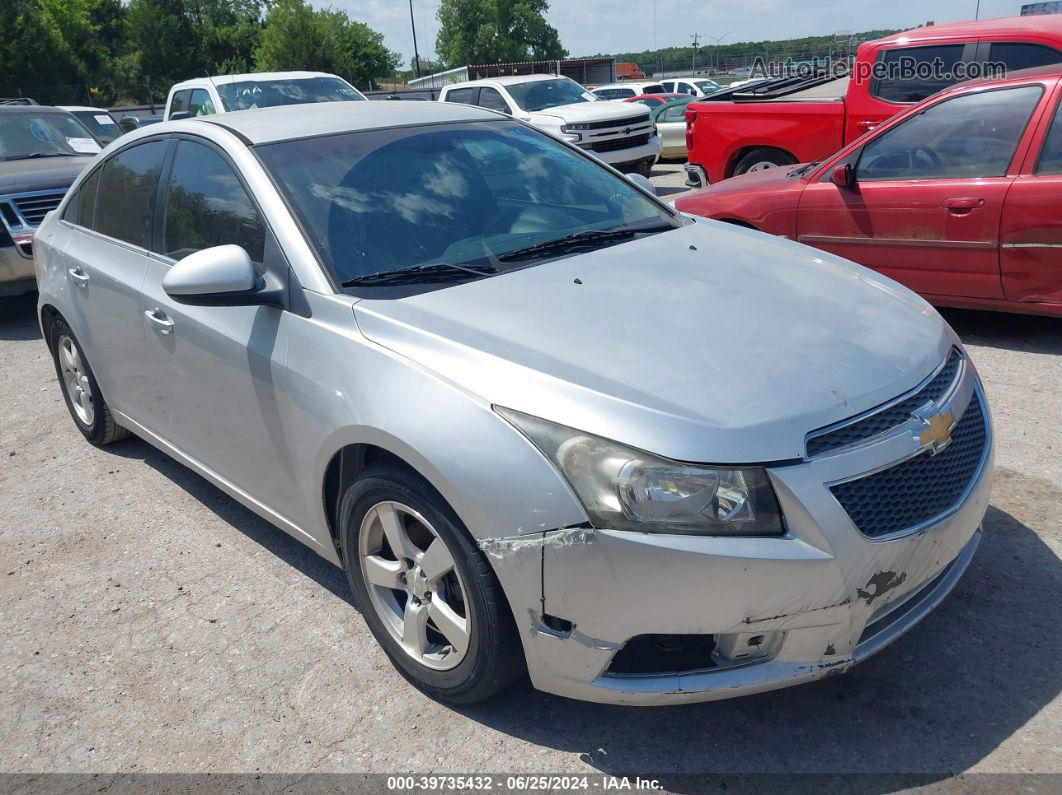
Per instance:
{"type": "Point", "coordinates": [761, 613]}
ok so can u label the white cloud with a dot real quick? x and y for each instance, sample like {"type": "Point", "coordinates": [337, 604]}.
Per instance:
{"type": "Point", "coordinates": [607, 26]}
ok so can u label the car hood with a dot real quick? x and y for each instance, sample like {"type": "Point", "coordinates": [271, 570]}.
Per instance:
{"type": "Point", "coordinates": [43, 173]}
{"type": "Point", "coordinates": [708, 343]}
{"type": "Point", "coordinates": [593, 111]}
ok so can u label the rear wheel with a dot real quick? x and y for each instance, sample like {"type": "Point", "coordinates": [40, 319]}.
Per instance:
{"type": "Point", "coordinates": [89, 410]}
{"type": "Point", "coordinates": [763, 159]}
{"type": "Point", "coordinates": [425, 590]}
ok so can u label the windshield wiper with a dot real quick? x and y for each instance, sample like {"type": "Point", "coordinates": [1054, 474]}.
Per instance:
{"type": "Point", "coordinates": [438, 271]}
{"type": "Point", "coordinates": [32, 155]}
{"type": "Point", "coordinates": [590, 238]}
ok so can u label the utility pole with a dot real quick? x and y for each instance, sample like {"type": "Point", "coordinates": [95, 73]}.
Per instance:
{"type": "Point", "coordinates": [718, 40]}
{"type": "Point", "coordinates": [696, 40]}
{"type": "Point", "coordinates": [977, 11]}
{"type": "Point", "coordinates": [416, 55]}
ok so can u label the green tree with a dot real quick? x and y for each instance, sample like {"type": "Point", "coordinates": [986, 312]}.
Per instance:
{"type": "Point", "coordinates": [298, 37]}
{"type": "Point", "coordinates": [228, 33]}
{"type": "Point", "coordinates": [162, 33]}
{"type": "Point", "coordinates": [496, 31]}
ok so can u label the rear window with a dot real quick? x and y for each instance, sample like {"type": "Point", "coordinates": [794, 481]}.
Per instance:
{"type": "Point", "coordinates": [910, 74]}
{"type": "Point", "coordinates": [247, 94]}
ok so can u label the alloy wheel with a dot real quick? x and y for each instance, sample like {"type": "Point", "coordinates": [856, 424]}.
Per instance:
{"type": "Point", "coordinates": [75, 380]}
{"type": "Point", "coordinates": [414, 585]}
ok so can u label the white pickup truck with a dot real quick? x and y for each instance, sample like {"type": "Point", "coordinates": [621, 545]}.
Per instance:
{"type": "Point", "coordinates": [617, 133]}
{"type": "Point", "coordinates": [204, 96]}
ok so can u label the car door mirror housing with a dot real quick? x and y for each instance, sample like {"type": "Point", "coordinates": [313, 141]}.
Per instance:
{"type": "Point", "coordinates": [212, 273]}
{"type": "Point", "coordinates": [843, 176]}
{"type": "Point", "coordinates": [642, 182]}
{"type": "Point", "coordinates": [179, 114]}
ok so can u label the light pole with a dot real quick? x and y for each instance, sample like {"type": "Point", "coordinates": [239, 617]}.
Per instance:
{"type": "Point", "coordinates": [413, 27]}
{"type": "Point", "coordinates": [977, 10]}
{"type": "Point", "coordinates": [718, 40]}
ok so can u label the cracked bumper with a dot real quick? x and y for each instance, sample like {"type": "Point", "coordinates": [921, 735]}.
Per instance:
{"type": "Point", "coordinates": [831, 596]}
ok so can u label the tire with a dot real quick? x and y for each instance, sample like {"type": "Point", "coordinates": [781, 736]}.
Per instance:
{"type": "Point", "coordinates": [645, 168]}
{"type": "Point", "coordinates": [759, 159]}
{"type": "Point", "coordinates": [82, 394]}
{"type": "Point", "coordinates": [492, 657]}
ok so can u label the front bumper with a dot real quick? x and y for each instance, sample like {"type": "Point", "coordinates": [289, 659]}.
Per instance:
{"type": "Point", "coordinates": [820, 599]}
{"type": "Point", "coordinates": [16, 272]}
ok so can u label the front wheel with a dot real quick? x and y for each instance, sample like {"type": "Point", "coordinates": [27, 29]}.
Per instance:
{"type": "Point", "coordinates": [425, 590]}
{"type": "Point", "coordinates": [763, 159]}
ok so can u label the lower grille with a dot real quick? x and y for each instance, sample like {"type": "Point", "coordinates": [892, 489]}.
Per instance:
{"type": "Point", "coordinates": [620, 143]}
{"type": "Point", "coordinates": [920, 488]}
{"type": "Point", "coordinates": [34, 208]}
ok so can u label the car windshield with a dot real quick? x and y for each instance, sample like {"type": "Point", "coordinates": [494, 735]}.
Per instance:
{"type": "Point", "coordinates": [44, 134]}
{"type": "Point", "coordinates": [469, 195]}
{"type": "Point", "coordinates": [542, 94]}
{"type": "Point", "coordinates": [100, 123]}
{"type": "Point", "coordinates": [247, 94]}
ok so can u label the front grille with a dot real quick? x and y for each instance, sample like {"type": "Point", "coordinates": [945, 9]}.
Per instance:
{"type": "Point", "coordinates": [889, 418]}
{"type": "Point", "coordinates": [920, 488]}
{"type": "Point", "coordinates": [34, 208]}
{"type": "Point", "coordinates": [620, 143]}
{"type": "Point", "coordinates": [600, 125]}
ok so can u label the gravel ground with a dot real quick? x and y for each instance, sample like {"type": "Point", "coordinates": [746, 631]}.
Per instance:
{"type": "Point", "coordinates": [150, 623]}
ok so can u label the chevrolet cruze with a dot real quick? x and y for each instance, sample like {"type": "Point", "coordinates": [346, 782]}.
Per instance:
{"type": "Point", "coordinates": [544, 422]}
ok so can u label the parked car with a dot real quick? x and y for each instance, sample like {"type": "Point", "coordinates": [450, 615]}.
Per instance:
{"type": "Point", "coordinates": [692, 86]}
{"type": "Point", "coordinates": [653, 101]}
{"type": "Point", "coordinates": [618, 134]}
{"type": "Point", "coordinates": [130, 123]}
{"type": "Point", "coordinates": [203, 96]}
{"type": "Point", "coordinates": [42, 150]}
{"type": "Point", "coordinates": [957, 198]}
{"type": "Point", "coordinates": [670, 121]}
{"type": "Point", "coordinates": [439, 347]}
{"type": "Point", "coordinates": [790, 120]}
{"type": "Point", "coordinates": [99, 120]}
{"type": "Point", "coordinates": [627, 89]}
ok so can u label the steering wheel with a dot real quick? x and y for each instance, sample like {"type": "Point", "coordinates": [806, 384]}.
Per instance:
{"type": "Point", "coordinates": [931, 156]}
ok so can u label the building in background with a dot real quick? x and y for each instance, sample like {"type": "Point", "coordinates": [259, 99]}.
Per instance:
{"type": "Point", "coordinates": [1042, 8]}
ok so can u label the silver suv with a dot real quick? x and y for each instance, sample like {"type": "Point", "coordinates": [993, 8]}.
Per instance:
{"type": "Point", "coordinates": [42, 150]}
{"type": "Point", "coordinates": [543, 421]}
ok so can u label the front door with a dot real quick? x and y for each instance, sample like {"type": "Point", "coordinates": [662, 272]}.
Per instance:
{"type": "Point", "coordinates": [217, 369]}
{"type": "Point", "coordinates": [928, 198]}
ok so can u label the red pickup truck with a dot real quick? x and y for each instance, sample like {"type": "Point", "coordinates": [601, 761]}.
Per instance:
{"type": "Point", "coordinates": [785, 121]}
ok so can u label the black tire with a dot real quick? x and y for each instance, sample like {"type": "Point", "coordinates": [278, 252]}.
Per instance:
{"type": "Point", "coordinates": [768, 157]}
{"type": "Point", "coordinates": [494, 658]}
{"type": "Point", "coordinates": [645, 168]}
{"type": "Point", "coordinates": [103, 429]}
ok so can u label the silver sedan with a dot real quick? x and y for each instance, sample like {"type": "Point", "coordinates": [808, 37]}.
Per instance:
{"type": "Point", "coordinates": [544, 422]}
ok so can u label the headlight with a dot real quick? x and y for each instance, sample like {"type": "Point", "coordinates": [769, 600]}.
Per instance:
{"type": "Point", "coordinates": [627, 489]}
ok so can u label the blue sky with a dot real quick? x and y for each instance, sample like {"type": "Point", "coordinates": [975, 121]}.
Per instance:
{"type": "Point", "coordinates": [591, 26]}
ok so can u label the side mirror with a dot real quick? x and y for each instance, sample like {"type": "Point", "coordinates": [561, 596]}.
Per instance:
{"type": "Point", "coordinates": [642, 182]}
{"type": "Point", "coordinates": [843, 176]}
{"type": "Point", "coordinates": [222, 274]}
{"type": "Point", "coordinates": [178, 115]}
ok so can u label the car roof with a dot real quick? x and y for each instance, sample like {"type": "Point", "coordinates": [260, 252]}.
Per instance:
{"type": "Point", "coordinates": [508, 80]}
{"type": "Point", "coordinates": [82, 107]}
{"type": "Point", "coordinates": [268, 125]}
{"type": "Point", "coordinates": [1051, 24]}
{"type": "Point", "coordinates": [31, 109]}
{"type": "Point", "coordinates": [215, 79]}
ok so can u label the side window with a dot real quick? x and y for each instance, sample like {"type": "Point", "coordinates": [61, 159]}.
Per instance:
{"type": "Point", "coordinates": [1018, 55]}
{"type": "Point", "coordinates": [910, 74]}
{"type": "Point", "coordinates": [1051, 154]}
{"type": "Point", "coordinates": [974, 135]}
{"type": "Point", "coordinates": [180, 101]}
{"type": "Point", "coordinates": [466, 96]}
{"type": "Point", "coordinates": [125, 203]}
{"type": "Point", "coordinates": [200, 104]}
{"type": "Point", "coordinates": [685, 88]}
{"type": "Point", "coordinates": [653, 89]}
{"type": "Point", "coordinates": [669, 86]}
{"type": "Point", "coordinates": [206, 205]}
{"type": "Point", "coordinates": [491, 99]}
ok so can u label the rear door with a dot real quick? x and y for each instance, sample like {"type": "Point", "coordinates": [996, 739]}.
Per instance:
{"type": "Point", "coordinates": [106, 258]}
{"type": "Point", "coordinates": [1031, 233]}
{"type": "Point", "coordinates": [926, 206]}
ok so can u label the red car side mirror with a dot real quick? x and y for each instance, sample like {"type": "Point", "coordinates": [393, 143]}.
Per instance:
{"type": "Point", "coordinates": [843, 176]}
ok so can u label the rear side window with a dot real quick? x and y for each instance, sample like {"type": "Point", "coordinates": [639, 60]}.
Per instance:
{"type": "Point", "coordinates": [200, 104]}
{"type": "Point", "coordinates": [79, 209]}
{"type": "Point", "coordinates": [969, 136]}
{"type": "Point", "coordinates": [1051, 154]}
{"type": "Point", "coordinates": [1018, 55]}
{"type": "Point", "coordinates": [910, 74]}
{"type": "Point", "coordinates": [207, 205]}
{"type": "Point", "coordinates": [126, 199]}
{"type": "Point", "coordinates": [466, 96]}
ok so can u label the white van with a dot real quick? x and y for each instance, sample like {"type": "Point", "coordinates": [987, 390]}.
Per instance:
{"type": "Point", "coordinates": [203, 96]}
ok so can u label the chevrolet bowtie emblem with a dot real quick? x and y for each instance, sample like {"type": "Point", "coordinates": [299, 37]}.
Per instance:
{"type": "Point", "coordinates": [936, 435]}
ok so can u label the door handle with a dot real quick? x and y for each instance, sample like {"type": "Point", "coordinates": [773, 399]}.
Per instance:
{"type": "Point", "coordinates": [963, 205]}
{"type": "Point", "coordinates": [159, 320]}
{"type": "Point", "coordinates": [867, 124]}
{"type": "Point", "coordinates": [79, 276]}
